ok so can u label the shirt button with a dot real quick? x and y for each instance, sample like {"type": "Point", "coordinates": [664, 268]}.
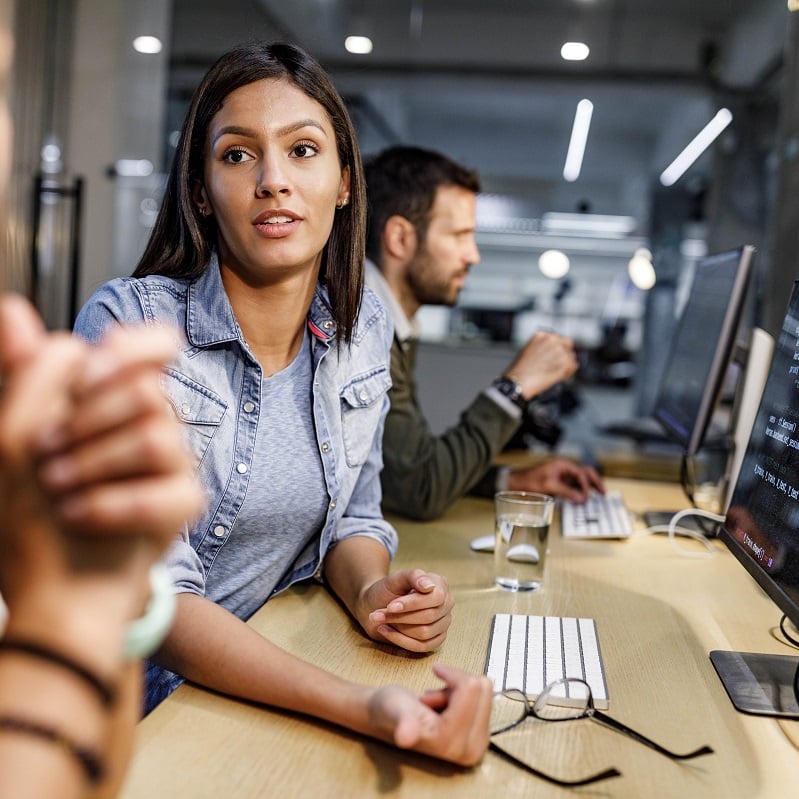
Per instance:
{"type": "Point", "coordinates": [327, 324]}
{"type": "Point", "coordinates": [363, 396]}
{"type": "Point", "coordinates": [249, 407]}
{"type": "Point", "coordinates": [325, 447]}
{"type": "Point", "coordinates": [332, 504]}
{"type": "Point", "coordinates": [219, 531]}
{"type": "Point", "coordinates": [241, 468]}
{"type": "Point", "coordinates": [184, 410]}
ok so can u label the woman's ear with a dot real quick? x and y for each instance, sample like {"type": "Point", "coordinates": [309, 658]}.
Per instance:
{"type": "Point", "coordinates": [200, 198]}
{"type": "Point", "coordinates": [344, 188]}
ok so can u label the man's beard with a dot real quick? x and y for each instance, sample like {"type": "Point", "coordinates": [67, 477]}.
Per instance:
{"type": "Point", "coordinates": [429, 287]}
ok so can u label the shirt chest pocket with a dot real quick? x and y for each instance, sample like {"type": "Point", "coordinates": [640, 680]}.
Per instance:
{"type": "Point", "coordinates": [198, 407]}
{"type": "Point", "coordinates": [361, 409]}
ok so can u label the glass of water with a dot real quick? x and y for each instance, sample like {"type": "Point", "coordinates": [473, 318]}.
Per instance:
{"type": "Point", "coordinates": [521, 525]}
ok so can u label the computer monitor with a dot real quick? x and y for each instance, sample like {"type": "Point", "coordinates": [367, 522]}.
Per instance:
{"type": "Point", "coordinates": [702, 346]}
{"type": "Point", "coordinates": [761, 528]}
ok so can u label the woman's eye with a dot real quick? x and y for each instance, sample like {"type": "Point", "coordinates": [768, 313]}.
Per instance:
{"type": "Point", "coordinates": [304, 150]}
{"type": "Point", "coordinates": [235, 156]}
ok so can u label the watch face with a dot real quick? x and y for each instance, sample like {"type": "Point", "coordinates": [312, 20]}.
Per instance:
{"type": "Point", "coordinates": [511, 389]}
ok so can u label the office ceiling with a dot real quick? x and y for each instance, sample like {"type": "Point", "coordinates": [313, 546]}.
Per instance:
{"type": "Point", "coordinates": [483, 80]}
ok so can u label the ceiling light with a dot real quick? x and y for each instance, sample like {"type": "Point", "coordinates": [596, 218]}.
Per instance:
{"type": "Point", "coordinates": [574, 51]}
{"type": "Point", "coordinates": [150, 45]}
{"type": "Point", "coordinates": [641, 271]}
{"type": "Point", "coordinates": [574, 157]}
{"type": "Point", "coordinates": [553, 263]}
{"type": "Point", "coordinates": [676, 169]}
{"type": "Point", "coordinates": [587, 224]}
{"type": "Point", "coordinates": [360, 45]}
{"type": "Point", "coordinates": [133, 168]}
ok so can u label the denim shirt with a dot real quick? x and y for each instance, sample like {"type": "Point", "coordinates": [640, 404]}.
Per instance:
{"type": "Point", "coordinates": [214, 386]}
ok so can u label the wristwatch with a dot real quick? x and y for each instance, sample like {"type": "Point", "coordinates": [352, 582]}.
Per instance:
{"type": "Point", "coordinates": [512, 390]}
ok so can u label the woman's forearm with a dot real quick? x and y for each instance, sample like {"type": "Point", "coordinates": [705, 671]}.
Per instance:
{"type": "Point", "coordinates": [211, 647]}
{"type": "Point", "coordinates": [352, 566]}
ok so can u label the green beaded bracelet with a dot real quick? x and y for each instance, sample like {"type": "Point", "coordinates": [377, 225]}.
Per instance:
{"type": "Point", "coordinates": [144, 635]}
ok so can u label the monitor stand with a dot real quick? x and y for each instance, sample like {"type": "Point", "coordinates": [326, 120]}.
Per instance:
{"type": "Point", "coordinates": [765, 685]}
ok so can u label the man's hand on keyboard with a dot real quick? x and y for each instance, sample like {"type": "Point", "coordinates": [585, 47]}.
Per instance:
{"type": "Point", "coordinates": [559, 477]}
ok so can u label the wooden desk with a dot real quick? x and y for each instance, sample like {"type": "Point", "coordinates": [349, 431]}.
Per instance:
{"type": "Point", "coordinates": [658, 614]}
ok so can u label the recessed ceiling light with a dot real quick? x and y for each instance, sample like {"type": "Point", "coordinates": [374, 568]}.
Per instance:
{"type": "Point", "coordinates": [574, 51]}
{"type": "Point", "coordinates": [147, 44]}
{"type": "Point", "coordinates": [361, 45]}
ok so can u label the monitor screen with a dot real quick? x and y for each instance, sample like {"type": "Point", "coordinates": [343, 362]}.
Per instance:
{"type": "Point", "coordinates": [761, 528]}
{"type": "Point", "coordinates": [702, 346]}
{"type": "Point", "coordinates": [762, 522]}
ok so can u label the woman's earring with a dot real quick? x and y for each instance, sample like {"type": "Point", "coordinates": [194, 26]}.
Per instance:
{"type": "Point", "coordinates": [203, 210]}
{"type": "Point", "coordinates": [343, 201]}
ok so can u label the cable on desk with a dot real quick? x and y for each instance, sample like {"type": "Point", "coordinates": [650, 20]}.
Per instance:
{"type": "Point", "coordinates": [784, 631]}
{"type": "Point", "coordinates": [673, 530]}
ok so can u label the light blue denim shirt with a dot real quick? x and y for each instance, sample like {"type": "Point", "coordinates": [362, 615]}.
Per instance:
{"type": "Point", "coordinates": [214, 386]}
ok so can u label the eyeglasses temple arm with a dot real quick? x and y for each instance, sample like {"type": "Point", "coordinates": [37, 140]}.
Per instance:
{"type": "Point", "coordinates": [603, 775]}
{"type": "Point", "coordinates": [608, 721]}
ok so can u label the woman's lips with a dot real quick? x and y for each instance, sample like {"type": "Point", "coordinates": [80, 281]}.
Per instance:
{"type": "Point", "coordinates": [276, 224]}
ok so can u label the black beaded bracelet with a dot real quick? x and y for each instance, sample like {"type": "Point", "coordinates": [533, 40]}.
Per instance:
{"type": "Point", "coordinates": [89, 761]}
{"type": "Point", "coordinates": [102, 689]}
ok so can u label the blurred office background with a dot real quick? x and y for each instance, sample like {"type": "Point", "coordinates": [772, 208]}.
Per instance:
{"type": "Point", "coordinates": [97, 108]}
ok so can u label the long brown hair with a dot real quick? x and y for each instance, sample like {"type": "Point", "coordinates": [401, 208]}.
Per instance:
{"type": "Point", "coordinates": [182, 240]}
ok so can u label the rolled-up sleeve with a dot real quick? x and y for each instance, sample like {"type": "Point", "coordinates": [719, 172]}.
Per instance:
{"type": "Point", "coordinates": [184, 566]}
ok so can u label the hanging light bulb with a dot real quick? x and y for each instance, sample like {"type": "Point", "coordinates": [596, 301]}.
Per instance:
{"type": "Point", "coordinates": [553, 263]}
{"type": "Point", "coordinates": [640, 269]}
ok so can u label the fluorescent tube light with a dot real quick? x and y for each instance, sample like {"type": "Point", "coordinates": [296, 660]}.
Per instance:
{"type": "Point", "coordinates": [587, 224]}
{"type": "Point", "coordinates": [574, 157]}
{"type": "Point", "coordinates": [677, 168]}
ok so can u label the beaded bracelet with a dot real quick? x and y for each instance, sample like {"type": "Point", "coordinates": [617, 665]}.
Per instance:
{"type": "Point", "coordinates": [105, 692]}
{"type": "Point", "coordinates": [88, 760]}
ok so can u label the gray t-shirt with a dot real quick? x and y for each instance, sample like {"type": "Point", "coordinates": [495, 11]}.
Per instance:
{"type": "Point", "coordinates": [286, 498]}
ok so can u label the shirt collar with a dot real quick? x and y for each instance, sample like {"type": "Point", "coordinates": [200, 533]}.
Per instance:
{"type": "Point", "coordinates": [404, 329]}
{"type": "Point", "coordinates": [210, 319]}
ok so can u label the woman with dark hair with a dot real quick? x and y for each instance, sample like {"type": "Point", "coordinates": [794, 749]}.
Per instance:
{"type": "Point", "coordinates": [257, 254]}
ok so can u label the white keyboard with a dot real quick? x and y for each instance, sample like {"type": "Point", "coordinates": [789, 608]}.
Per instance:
{"type": "Point", "coordinates": [529, 652]}
{"type": "Point", "coordinates": [601, 516]}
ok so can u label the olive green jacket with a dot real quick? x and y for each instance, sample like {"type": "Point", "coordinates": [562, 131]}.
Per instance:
{"type": "Point", "coordinates": [424, 473]}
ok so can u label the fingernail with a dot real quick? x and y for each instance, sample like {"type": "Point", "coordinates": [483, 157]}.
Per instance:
{"type": "Point", "coordinates": [50, 438]}
{"type": "Point", "coordinates": [395, 606]}
{"type": "Point", "coordinates": [58, 473]}
{"type": "Point", "coordinates": [377, 615]}
{"type": "Point", "coordinates": [426, 583]}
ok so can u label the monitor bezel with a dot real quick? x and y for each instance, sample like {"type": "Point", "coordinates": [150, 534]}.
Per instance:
{"type": "Point", "coordinates": [722, 355]}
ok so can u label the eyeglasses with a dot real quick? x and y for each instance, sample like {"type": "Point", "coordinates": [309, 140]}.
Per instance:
{"type": "Point", "coordinates": [565, 700]}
